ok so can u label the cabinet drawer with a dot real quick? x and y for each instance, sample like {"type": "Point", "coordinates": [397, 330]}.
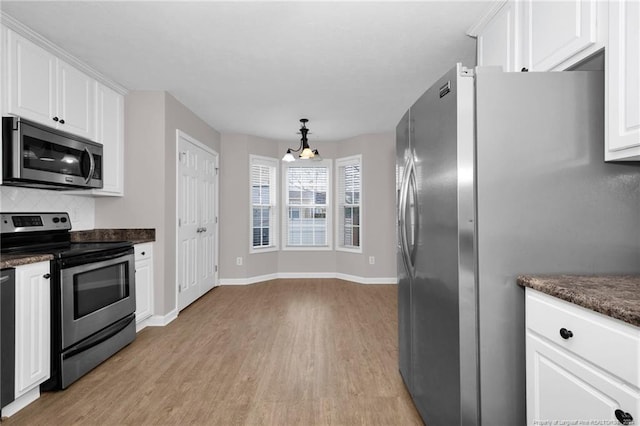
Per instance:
{"type": "Point", "coordinates": [143, 251]}
{"type": "Point", "coordinates": [609, 344]}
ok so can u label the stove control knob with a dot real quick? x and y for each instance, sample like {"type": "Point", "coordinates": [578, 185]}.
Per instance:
{"type": "Point", "coordinates": [63, 219]}
{"type": "Point", "coordinates": [56, 219]}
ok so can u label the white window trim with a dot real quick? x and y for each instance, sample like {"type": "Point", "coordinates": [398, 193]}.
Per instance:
{"type": "Point", "coordinates": [354, 159]}
{"type": "Point", "coordinates": [285, 214]}
{"type": "Point", "coordinates": [270, 162]}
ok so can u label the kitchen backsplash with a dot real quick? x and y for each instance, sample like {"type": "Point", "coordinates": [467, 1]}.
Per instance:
{"type": "Point", "coordinates": [81, 208]}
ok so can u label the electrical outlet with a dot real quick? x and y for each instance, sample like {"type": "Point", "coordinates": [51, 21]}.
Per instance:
{"type": "Point", "coordinates": [372, 260]}
{"type": "Point", "coordinates": [239, 261]}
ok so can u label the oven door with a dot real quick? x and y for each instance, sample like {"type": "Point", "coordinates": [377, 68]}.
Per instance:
{"type": "Point", "coordinates": [97, 291]}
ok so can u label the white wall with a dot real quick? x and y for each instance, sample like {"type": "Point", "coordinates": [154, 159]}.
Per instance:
{"type": "Point", "coordinates": [81, 208]}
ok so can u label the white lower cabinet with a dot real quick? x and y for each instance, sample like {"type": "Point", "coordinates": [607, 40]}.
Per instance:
{"type": "Point", "coordinates": [144, 282]}
{"type": "Point", "coordinates": [582, 367]}
{"type": "Point", "coordinates": [33, 331]}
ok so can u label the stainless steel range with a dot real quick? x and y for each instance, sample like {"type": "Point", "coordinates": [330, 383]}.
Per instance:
{"type": "Point", "coordinates": [92, 292]}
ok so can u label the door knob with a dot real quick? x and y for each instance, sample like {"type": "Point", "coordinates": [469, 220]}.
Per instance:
{"type": "Point", "coordinates": [623, 418]}
{"type": "Point", "coordinates": [566, 334]}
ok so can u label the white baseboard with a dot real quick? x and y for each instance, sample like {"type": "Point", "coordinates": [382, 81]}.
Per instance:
{"type": "Point", "coordinates": [21, 402]}
{"type": "Point", "coordinates": [367, 280]}
{"type": "Point", "coordinates": [159, 320]}
{"type": "Point", "coordinates": [245, 281]}
{"type": "Point", "coordinates": [346, 277]}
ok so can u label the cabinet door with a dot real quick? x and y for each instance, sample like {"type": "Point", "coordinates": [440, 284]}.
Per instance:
{"type": "Point", "coordinates": [497, 42]}
{"type": "Point", "coordinates": [562, 387]}
{"type": "Point", "coordinates": [623, 79]}
{"type": "Point", "coordinates": [110, 133]}
{"type": "Point", "coordinates": [76, 106]}
{"type": "Point", "coordinates": [31, 84]}
{"type": "Point", "coordinates": [144, 281]}
{"type": "Point", "coordinates": [554, 31]}
{"type": "Point", "coordinates": [32, 326]}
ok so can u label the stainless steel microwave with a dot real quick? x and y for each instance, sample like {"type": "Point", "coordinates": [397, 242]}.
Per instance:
{"type": "Point", "coordinates": [40, 157]}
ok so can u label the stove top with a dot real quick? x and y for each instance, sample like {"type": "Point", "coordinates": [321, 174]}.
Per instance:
{"type": "Point", "coordinates": [46, 233]}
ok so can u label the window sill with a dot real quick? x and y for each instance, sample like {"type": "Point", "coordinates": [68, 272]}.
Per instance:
{"type": "Point", "coordinates": [268, 249]}
{"type": "Point", "coordinates": [307, 248]}
{"type": "Point", "coordinates": [357, 250]}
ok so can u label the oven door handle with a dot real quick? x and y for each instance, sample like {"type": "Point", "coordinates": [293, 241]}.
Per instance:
{"type": "Point", "coordinates": [99, 337]}
{"type": "Point", "coordinates": [87, 259]}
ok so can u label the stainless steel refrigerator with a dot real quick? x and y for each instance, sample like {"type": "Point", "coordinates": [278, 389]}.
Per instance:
{"type": "Point", "coordinates": [499, 174]}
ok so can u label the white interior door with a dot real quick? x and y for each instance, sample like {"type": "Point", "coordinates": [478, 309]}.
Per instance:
{"type": "Point", "coordinates": [197, 220]}
{"type": "Point", "coordinates": [208, 222]}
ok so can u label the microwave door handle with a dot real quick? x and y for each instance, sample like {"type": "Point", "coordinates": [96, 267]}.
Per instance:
{"type": "Point", "coordinates": [92, 165]}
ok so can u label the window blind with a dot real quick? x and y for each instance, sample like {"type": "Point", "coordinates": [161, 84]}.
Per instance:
{"type": "Point", "coordinates": [349, 211]}
{"type": "Point", "coordinates": [307, 206]}
{"type": "Point", "coordinates": [263, 201]}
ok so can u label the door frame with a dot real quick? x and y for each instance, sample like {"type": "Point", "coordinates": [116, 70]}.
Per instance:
{"type": "Point", "coordinates": [208, 149]}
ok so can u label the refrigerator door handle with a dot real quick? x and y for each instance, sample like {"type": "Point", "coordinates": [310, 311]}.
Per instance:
{"type": "Point", "coordinates": [402, 215]}
{"type": "Point", "coordinates": [408, 182]}
{"type": "Point", "coordinates": [415, 223]}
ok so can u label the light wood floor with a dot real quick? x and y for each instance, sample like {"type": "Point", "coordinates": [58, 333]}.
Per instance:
{"type": "Point", "coordinates": [276, 353]}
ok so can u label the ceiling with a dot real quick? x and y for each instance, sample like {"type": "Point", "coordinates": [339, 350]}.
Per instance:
{"type": "Point", "coordinates": [256, 68]}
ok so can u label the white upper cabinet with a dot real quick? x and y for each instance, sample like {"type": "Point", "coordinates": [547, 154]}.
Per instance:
{"type": "Point", "coordinates": [623, 82]}
{"type": "Point", "coordinates": [76, 104]}
{"type": "Point", "coordinates": [110, 133]}
{"type": "Point", "coordinates": [31, 87]}
{"type": "Point", "coordinates": [47, 90]}
{"type": "Point", "coordinates": [497, 38]}
{"type": "Point", "coordinates": [555, 31]}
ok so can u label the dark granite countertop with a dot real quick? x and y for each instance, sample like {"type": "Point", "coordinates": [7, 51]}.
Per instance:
{"type": "Point", "coordinates": [135, 235]}
{"type": "Point", "coordinates": [617, 296]}
{"type": "Point", "coordinates": [13, 260]}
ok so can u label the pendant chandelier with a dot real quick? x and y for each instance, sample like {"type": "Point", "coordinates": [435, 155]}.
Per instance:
{"type": "Point", "coordinates": [305, 152]}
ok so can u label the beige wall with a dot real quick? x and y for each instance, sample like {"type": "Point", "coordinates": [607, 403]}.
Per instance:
{"type": "Point", "coordinates": [143, 203]}
{"type": "Point", "coordinates": [178, 117]}
{"type": "Point", "coordinates": [378, 156]}
{"type": "Point", "coordinates": [378, 206]}
{"type": "Point", "coordinates": [151, 120]}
